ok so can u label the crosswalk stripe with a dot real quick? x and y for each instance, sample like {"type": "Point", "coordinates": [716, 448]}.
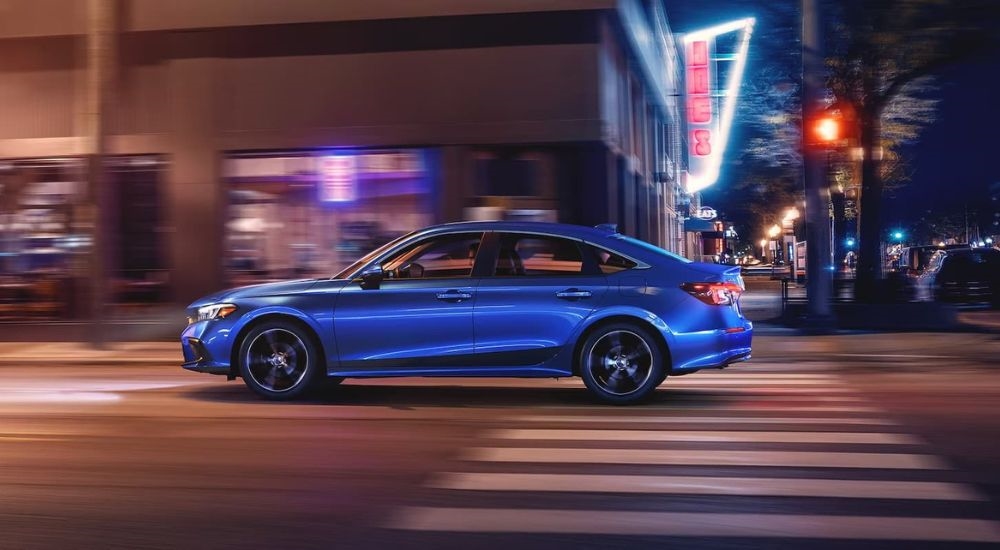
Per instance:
{"type": "Point", "coordinates": [614, 419]}
{"type": "Point", "coordinates": [704, 485]}
{"type": "Point", "coordinates": [747, 375]}
{"type": "Point", "coordinates": [749, 405]}
{"type": "Point", "coordinates": [605, 522]}
{"type": "Point", "coordinates": [757, 385]}
{"type": "Point", "coordinates": [704, 436]}
{"type": "Point", "coordinates": [688, 457]}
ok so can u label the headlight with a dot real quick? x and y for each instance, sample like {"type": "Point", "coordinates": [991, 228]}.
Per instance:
{"type": "Point", "coordinates": [214, 311]}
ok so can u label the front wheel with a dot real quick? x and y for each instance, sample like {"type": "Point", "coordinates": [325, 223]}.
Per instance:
{"type": "Point", "coordinates": [621, 363]}
{"type": "Point", "coordinates": [278, 360]}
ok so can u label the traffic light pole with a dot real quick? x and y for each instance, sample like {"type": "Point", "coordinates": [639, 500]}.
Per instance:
{"type": "Point", "coordinates": [819, 276]}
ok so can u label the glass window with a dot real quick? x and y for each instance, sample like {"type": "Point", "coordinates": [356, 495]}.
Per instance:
{"type": "Point", "coordinates": [537, 255]}
{"type": "Point", "coordinates": [610, 262]}
{"type": "Point", "coordinates": [442, 257]}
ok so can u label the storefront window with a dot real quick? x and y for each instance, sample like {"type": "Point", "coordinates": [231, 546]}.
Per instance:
{"type": "Point", "coordinates": [37, 235]}
{"type": "Point", "coordinates": [310, 214]}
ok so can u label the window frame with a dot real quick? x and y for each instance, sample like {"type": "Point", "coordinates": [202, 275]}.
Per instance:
{"type": "Point", "coordinates": [395, 253]}
{"type": "Point", "coordinates": [589, 267]}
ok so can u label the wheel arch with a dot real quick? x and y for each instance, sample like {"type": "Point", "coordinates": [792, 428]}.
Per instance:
{"type": "Point", "coordinates": [308, 330]}
{"type": "Point", "coordinates": [621, 318]}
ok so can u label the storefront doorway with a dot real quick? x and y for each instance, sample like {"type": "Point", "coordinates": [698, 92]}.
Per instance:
{"type": "Point", "coordinates": [311, 213]}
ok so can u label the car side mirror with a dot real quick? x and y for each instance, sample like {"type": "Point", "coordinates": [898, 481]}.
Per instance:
{"type": "Point", "coordinates": [371, 279]}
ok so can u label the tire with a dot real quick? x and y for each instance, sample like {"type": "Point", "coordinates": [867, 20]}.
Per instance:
{"type": "Point", "coordinates": [621, 363]}
{"type": "Point", "coordinates": [279, 361]}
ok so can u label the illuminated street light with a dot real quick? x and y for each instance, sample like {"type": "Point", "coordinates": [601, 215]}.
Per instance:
{"type": "Point", "coordinates": [850, 243]}
{"type": "Point", "coordinates": [774, 231]}
{"type": "Point", "coordinates": [898, 235]}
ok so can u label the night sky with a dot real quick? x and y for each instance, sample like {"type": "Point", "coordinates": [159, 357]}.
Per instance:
{"type": "Point", "coordinates": [956, 159]}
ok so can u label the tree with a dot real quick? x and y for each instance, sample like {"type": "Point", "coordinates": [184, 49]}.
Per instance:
{"type": "Point", "coordinates": [884, 51]}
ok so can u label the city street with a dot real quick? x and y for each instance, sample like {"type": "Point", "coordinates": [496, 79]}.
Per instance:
{"type": "Point", "coordinates": [864, 440]}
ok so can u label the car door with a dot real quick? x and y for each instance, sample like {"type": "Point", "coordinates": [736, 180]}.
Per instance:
{"type": "Point", "coordinates": [540, 289]}
{"type": "Point", "coordinates": [419, 316]}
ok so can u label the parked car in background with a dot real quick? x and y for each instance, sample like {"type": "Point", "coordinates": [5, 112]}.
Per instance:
{"type": "Point", "coordinates": [968, 276]}
{"type": "Point", "coordinates": [515, 299]}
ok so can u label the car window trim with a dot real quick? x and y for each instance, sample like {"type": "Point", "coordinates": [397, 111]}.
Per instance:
{"type": "Point", "coordinates": [639, 264]}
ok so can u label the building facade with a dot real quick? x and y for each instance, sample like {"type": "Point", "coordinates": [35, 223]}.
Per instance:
{"type": "Point", "coordinates": [247, 141]}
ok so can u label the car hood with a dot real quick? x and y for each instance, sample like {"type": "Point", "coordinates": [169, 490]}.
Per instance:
{"type": "Point", "coordinates": [265, 289]}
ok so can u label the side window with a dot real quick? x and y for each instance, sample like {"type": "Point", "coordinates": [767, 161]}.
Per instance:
{"type": "Point", "coordinates": [609, 262]}
{"type": "Point", "coordinates": [537, 255]}
{"type": "Point", "coordinates": [443, 257]}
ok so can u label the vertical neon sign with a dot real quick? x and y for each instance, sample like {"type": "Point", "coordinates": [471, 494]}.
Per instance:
{"type": "Point", "coordinates": [710, 109]}
{"type": "Point", "coordinates": [338, 178]}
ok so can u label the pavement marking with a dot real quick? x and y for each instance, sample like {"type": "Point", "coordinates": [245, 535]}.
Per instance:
{"type": "Point", "coordinates": [894, 356]}
{"type": "Point", "coordinates": [703, 485]}
{"type": "Point", "coordinates": [607, 522]}
{"type": "Point", "coordinates": [704, 420]}
{"type": "Point", "coordinates": [748, 405]}
{"type": "Point", "coordinates": [830, 386]}
{"type": "Point", "coordinates": [687, 457]}
{"type": "Point", "coordinates": [711, 436]}
{"type": "Point", "coordinates": [58, 397]}
{"type": "Point", "coordinates": [749, 375]}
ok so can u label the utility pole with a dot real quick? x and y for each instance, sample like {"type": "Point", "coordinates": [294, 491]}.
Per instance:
{"type": "Point", "coordinates": [101, 59]}
{"type": "Point", "coordinates": [817, 220]}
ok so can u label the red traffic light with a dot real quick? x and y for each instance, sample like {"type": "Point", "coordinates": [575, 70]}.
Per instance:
{"type": "Point", "coordinates": [826, 129]}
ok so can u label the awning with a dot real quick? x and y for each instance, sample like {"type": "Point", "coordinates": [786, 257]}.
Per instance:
{"type": "Point", "coordinates": [694, 225]}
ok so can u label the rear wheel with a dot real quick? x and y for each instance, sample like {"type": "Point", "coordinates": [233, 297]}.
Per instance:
{"type": "Point", "coordinates": [278, 360]}
{"type": "Point", "coordinates": [621, 363]}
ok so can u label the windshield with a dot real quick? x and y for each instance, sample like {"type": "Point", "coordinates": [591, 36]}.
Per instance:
{"type": "Point", "coordinates": [371, 256]}
{"type": "Point", "coordinates": [650, 248]}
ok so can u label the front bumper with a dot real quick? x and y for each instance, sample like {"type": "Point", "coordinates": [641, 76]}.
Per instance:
{"type": "Point", "coordinates": [199, 355]}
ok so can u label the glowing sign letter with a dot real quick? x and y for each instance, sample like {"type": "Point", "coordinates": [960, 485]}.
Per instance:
{"type": "Point", "coordinates": [699, 54]}
{"type": "Point", "coordinates": [699, 109]}
{"type": "Point", "coordinates": [702, 142]}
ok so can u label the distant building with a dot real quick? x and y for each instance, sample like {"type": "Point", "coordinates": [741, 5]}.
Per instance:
{"type": "Point", "coordinates": [259, 140]}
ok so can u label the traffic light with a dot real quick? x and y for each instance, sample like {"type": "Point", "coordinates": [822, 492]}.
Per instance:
{"type": "Point", "coordinates": [826, 129]}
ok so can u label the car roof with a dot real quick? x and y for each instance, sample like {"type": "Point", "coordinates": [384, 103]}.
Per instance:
{"type": "Point", "coordinates": [568, 230]}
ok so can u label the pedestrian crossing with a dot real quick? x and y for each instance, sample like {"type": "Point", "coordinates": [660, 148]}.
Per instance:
{"type": "Point", "coordinates": [777, 454]}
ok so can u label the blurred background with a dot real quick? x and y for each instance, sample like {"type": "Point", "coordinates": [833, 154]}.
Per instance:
{"type": "Point", "coordinates": [152, 152]}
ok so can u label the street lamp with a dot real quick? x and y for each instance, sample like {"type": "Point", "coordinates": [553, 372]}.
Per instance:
{"type": "Point", "coordinates": [850, 243]}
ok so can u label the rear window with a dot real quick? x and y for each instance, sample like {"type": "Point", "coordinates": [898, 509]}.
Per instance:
{"type": "Point", "coordinates": [610, 262]}
{"type": "Point", "coordinates": [651, 248]}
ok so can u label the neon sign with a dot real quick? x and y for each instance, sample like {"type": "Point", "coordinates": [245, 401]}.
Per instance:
{"type": "Point", "coordinates": [338, 178]}
{"type": "Point", "coordinates": [710, 109]}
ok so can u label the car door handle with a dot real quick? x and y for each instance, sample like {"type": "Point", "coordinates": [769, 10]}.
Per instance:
{"type": "Point", "coordinates": [573, 294]}
{"type": "Point", "coordinates": [454, 296]}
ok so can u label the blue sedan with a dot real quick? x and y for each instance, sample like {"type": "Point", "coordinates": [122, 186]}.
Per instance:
{"type": "Point", "coordinates": [512, 299]}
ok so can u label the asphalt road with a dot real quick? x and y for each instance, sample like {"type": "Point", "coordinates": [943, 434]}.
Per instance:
{"type": "Point", "coordinates": [865, 441]}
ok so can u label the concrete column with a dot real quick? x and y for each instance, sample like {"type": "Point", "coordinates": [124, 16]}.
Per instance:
{"type": "Point", "coordinates": [101, 70]}
{"type": "Point", "coordinates": [195, 193]}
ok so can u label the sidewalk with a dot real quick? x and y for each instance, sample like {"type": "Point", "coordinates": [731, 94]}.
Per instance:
{"type": "Point", "coordinates": [82, 353]}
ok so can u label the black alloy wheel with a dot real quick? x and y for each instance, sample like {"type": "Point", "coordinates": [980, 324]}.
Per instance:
{"type": "Point", "coordinates": [621, 363]}
{"type": "Point", "coordinates": [278, 360]}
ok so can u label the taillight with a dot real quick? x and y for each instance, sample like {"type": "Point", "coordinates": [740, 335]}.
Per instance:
{"type": "Point", "coordinates": [714, 294]}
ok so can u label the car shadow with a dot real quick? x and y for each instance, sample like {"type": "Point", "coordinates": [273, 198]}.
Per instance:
{"type": "Point", "coordinates": [456, 395]}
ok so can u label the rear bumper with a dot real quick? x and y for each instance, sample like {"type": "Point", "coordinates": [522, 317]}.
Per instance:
{"type": "Point", "coordinates": [713, 349]}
